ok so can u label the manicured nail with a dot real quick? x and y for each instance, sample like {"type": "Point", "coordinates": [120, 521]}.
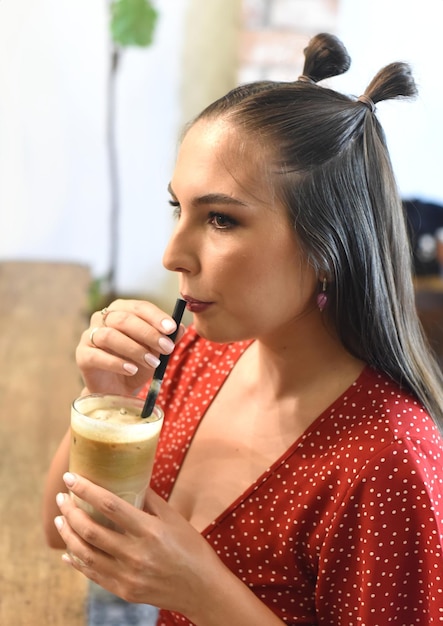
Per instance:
{"type": "Point", "coordinates": [130, 368]}
{"type": "Point", "coordinates": [66, 558]}
{"type": "Point", "coordinates": [69, 479]}
{"type": "Point", "coordinates": [60, 498]}
{"type": "Point", "coordinates": [152, 360]}
{"type": "Point", "coordinates": [58, 521]}
{"type": "Point", "coordinates": [168, 325]}
{"type": "Point", "coordinates": [166, 344]}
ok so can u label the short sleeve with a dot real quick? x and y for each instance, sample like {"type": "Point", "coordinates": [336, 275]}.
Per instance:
{"type": "Point", "coordinates": [381, 561]}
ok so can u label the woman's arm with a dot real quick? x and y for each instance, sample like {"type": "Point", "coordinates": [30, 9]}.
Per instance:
{"type": "Point", "coordinates": [122, 358]}
{"type": "Point", "coordinates": [53, 485]}
{"type": "Point", "coordinates": [158, 558]}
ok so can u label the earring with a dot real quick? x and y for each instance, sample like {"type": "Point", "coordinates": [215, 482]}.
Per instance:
{"type": "Point", "coordinates": [322, 297]}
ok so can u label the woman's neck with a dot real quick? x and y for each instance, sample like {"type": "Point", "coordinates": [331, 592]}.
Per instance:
{"type": "Point", "coordinates": [307, 359]}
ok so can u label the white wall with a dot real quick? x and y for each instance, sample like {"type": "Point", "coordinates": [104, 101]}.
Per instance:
{"type": "Point", "coordinates": [377, 32]}
{"type": "Point", "coordinates": [54, 193]}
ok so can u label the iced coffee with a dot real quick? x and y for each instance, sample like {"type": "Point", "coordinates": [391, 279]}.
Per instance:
{"type": "Point", "coordinates": [112, 446]}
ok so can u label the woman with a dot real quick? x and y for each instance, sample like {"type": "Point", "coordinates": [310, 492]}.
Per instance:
{"type": "Point", "coordinates": [300, 460]}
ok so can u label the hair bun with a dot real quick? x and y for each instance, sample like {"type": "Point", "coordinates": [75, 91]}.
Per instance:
{"type": "Point", "coordinates": [393, 81]}
{"type": "Point", "coordinates": [325, 56]}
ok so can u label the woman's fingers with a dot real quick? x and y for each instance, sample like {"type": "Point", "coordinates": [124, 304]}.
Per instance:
{"type": "Point", "coordinates": [123, 344]}
{"type": "Point", "coordinates": [156, 558]}
{"type": "Point", "coordinates": [85, 539]}
{"type": "Point", "coordinates": [125, 347]}
{"type": "Point", "coordinates": [133, 331]}
{"type": "Point", "coordinates": [123, 515]}
{"type": "Point", "coordinates": [150, 321]}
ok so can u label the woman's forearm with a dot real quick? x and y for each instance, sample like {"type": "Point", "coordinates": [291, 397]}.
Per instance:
{"type": "Point", "coordinates": [53, 485]}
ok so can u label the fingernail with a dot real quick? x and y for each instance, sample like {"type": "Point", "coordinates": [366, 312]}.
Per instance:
{"type": "Point", "coordinates": [66, 558]}
{"type": "Point", "coordinates": [60, 498]}
{"type": "Point", "coordinates": [130, 368]}
{"type": "Point", "coordinates": [152, 360]}
{"type": "Point", "coordinates": [69, 479]}
{"type": "Point", "coordinates": [166, 344]}
{"type": "Point", "coordinates": [58, 521]}
{"type": "Point", "coordinates": [168, 325]}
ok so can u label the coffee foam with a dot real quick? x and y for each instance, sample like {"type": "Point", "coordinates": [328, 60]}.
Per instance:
{"type": "Point", "coordinates": [111, 419]}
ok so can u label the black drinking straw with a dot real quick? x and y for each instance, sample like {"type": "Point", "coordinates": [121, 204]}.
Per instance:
{"type": "Point", "coordinates": [164, 358]}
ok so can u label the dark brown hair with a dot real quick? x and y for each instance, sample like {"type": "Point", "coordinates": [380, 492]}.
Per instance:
{"type": "Point", "coordinates": [331, 168]}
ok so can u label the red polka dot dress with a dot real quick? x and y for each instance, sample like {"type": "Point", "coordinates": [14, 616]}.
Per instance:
{"type": "Point", "coordinates": [346, 527]}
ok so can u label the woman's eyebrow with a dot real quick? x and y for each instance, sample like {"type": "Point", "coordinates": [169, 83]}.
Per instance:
{"type": "Point", "coordinates": [212, 198]}
{"type": "Point", "coordinates": [217, 198]}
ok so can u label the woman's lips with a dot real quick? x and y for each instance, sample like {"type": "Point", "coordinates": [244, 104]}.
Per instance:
{"type": "Point", "coordinates": [196, 306]}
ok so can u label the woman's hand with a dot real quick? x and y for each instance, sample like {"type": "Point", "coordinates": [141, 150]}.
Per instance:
{"type": "Point", "coordinates": [120, 350]}
{"type": "Point", "coordinates": [158, 558]}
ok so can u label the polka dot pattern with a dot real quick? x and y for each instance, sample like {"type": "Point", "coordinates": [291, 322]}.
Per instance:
{"type": "Point", "coordinates": [346, 528]}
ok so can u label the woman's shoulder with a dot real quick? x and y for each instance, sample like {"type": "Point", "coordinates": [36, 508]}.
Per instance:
{"type": "Point", "coordinates": [375, 432]}
{"type": "Point", "coordinates": [374, 413]}
{"type": "Point", "coordinates": [377, 415]}
{"type": "Point", "coordinates": [395, 404]}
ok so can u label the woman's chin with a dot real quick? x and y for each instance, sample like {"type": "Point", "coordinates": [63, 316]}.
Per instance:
{"type": "Point", "coordinates": [219, 334]}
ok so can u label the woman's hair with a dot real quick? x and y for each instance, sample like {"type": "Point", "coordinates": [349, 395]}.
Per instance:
{"type": "Point", "coordinates": [330, 166]}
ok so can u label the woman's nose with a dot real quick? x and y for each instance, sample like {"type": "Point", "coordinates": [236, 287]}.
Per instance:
{"type": "Point", "coordinates": [181, 253]}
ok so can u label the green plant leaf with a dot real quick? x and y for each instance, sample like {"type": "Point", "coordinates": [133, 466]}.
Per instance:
{"type": "Point", "coordinates": [133, 22]}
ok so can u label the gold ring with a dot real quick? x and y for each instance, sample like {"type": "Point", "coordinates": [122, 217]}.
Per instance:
{"type": "Point", "coordinates": [91, 336]}
{"type": "Point", "coordinates": [105, 314]}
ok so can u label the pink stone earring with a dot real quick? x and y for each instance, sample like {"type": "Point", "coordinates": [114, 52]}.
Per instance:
{"type": "Point", "coordinates": [322, 297]}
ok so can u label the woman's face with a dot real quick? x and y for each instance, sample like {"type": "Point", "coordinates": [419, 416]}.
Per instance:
{"type": "Point", "coordinates": [241, 268]}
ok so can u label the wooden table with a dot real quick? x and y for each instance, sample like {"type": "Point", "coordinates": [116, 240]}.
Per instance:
{"type": "Point", "coordinates": [43, 308]}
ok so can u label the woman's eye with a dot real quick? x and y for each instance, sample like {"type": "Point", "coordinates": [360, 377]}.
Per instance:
{"type": "Point", "coordinates": [176, 208]}
{"type": "Point", "coordinates": [221, 221]}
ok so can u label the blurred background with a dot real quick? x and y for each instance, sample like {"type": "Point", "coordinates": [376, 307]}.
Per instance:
{"type": "Point", "coordinates": [55, 55]}
{"type": "Point", "coordinates": [88, 136]}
